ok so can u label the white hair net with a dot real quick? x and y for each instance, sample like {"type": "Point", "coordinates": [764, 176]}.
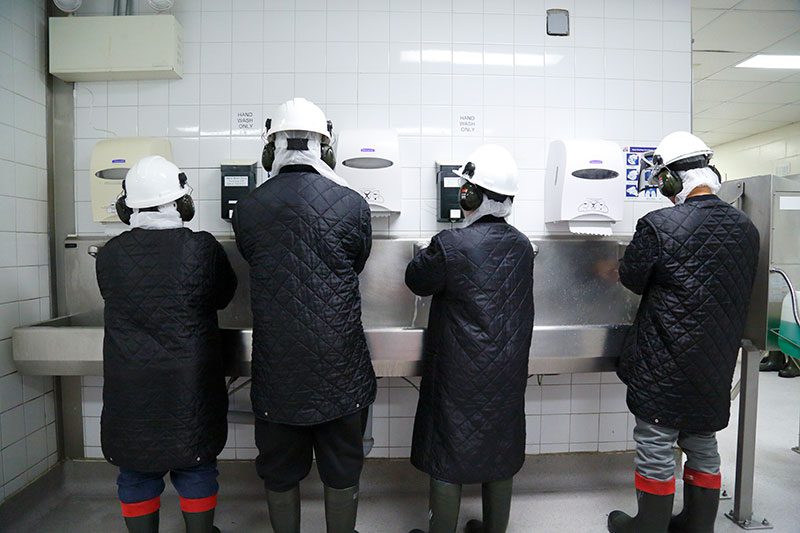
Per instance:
{"type": "Point", "coordinates": [167, 217]}
{"type": "Point", "coordinates": [489, 207]}
{"type": "Point", "coordinates": [694, 178]}
{"type": "Point", "coordinates": [311, 157]}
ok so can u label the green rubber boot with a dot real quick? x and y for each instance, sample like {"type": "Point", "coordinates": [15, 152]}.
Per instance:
{"type": "Point", "coordinates": [699, 512]}
{"type": "Point", "coordinates": [284, 510]}
{"type": "Point", "coordinates": [200, 522]}
{"type": "Point", "coordinates": [654, 515]}
{"type": "Point", "coordinates": [496, 497]}
{"type": "Point", "coordinates": [444, 506]}
{"type": "Point", "coordinates": [341, 508]}
{"type": "Point", "coordinates": [143, 524]}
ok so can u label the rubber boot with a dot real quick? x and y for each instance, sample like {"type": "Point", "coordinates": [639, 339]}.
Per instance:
{"type": "Point", "coordinates": [791, 370]}
{"type": "Point", "coordinates": [699, 512]}
{"type": "Point", "coordinates": [200, 522]}
{"type": "Point", "coordinates": [284, 510]}
{"type": "Point", "coordinates": [143, 524]}
{"type": "Point", "coordinates": [653, 516]}
{"type": "Point", "coordinates": [496, 497]}
{"type": "Point", "coordinates": [341, 508]}
{"type": "Point", "coordinates": [445, 504]}
{"type": "Point", "coordinates": [772, 362]}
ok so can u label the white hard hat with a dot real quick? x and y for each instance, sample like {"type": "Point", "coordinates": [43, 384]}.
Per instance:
{"type": "Point", "coordinates": [492, 167]}
{"type": "Point", "coordinates": [299, 114]}
{"type": "Point", "coordinates": [153, 181]}
{"type": "Point", "coordinates": [680, 145]}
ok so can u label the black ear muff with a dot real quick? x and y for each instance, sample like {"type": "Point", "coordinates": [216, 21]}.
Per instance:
{"type": "Point", "coordinates": [470, 197]}
{"type": "Point", "coordinates": [669, 183]}
{"type": "Point", "coordinates": [185, 206]}
{"type": "Point", "coordinates": [268, 156]}
{"type": "Point", "coordinates": [123, 211]}
{"type": "Point", "coordinates": [328, 155]}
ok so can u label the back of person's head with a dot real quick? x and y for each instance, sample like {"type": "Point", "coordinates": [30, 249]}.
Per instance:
{"type": "Point", "coordinates": [151, 183]}
{"type": "Point", "coordinates": [681, 167]}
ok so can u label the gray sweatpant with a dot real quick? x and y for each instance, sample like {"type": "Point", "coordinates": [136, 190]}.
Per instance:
{"type": "Point", "coordinates": [655, 458]}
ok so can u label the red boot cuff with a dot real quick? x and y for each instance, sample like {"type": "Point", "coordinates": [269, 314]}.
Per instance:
{"type": "Point", "coordinates": [132, 510]}
{"type": "Point", "coordinates": [654, 486]}
{"type": "Point", "coordinates": [702, 479]}
{"type": "Point", "coordinates": [198, 505]}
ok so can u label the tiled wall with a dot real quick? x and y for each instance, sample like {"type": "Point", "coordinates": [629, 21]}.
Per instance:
{"type": "Point", "coordinates": [624, 74]}
{"type": "Point", "coordinates": [771, 152]}
{"type": "Point", "coordinates": [27, 407]}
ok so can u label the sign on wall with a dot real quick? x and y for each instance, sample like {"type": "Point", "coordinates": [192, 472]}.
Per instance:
{"type": "Point", "coordinates": [633, 155]}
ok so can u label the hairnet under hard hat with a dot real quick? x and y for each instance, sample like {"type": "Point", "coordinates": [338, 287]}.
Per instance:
{"type": "Point", "coordinates": [694, 178]}
{"type": "Point", "coordinates": [311, 157]}
{"type": "Point", "coordinates": [489, 207]}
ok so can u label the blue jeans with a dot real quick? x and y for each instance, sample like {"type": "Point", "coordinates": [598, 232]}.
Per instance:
{"type": "Point", "coordinates": [193, 483]}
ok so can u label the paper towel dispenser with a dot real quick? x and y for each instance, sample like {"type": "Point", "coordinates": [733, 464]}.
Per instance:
{"type": "Point", "coordinates": [585, 185]}
{"type": "Point", "coordinates": [369, 160]}
{"type": "Point", "coordinates": [111, 160]}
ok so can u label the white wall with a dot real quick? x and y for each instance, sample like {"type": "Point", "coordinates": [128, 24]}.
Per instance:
{"type": "Point", "coordinates": [623, 74]}
{"type": "Point", "coordinates": [772, 152]}
{"type": "Point", "coordinates": [27, 407]}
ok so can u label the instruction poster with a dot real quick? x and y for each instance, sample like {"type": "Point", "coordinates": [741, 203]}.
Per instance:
{"type": "Point", "coordinates": [633, 155]}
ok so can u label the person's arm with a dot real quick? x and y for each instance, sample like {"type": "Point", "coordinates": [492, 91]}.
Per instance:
{"type": "Point", "coordinates": [225, 281]}
{"type": "Point", "coordinates": [236, 228]}
{"type": "Point", "coordinates": [426, 274]}
{"type": "Point", "coordinates": [365, 238]}
{"type": "Point", "coordinates": [636, 267]}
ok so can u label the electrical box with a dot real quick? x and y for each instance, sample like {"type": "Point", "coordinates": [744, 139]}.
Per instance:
{"type": "Point", "coordinates": [238, 178]}
{"type": "Point", "coordinates": [111, 160]}
{"type": "Point", "coordinates": [448, 187]}
{"type": "Point", "coordinates": [145, 47]}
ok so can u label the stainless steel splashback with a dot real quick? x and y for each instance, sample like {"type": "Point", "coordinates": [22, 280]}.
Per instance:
{"type": "Point", "coordinates": [574, 284]}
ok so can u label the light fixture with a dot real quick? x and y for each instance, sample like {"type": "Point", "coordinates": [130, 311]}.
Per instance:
{"type": "Point", "coordinates": [161, 5]}
{"type": "Point", "coordinates": [771, 61]}
{"type": "Point", "coordinates": [68, 6]}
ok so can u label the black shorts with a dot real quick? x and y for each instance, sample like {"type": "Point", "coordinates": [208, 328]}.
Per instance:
{"type": "Point", "coordinates": [286, 452]}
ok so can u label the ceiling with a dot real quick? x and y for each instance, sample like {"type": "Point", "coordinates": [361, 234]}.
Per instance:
{"type": "Point", "coordinates": [731, 103]}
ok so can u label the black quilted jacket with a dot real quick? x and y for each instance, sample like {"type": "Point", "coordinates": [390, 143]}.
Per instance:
{"type": "Point", "coordinates": [694, 264]}
{"type": "Point", "coordinates": [164, 399]}
{"type": "Point", "coordinates": [470, 423]}
{"type": "Point", "coordinates": [306, 240]}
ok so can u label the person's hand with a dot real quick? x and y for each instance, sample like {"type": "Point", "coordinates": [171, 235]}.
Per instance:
{"type": "Point", "coordinates": [607, 269]}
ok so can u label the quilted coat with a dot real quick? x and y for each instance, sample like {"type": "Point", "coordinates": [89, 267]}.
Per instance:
{"type": "Point", "coordinates": [694, 265]}
{"type": "Point", "coordinates": [470, 422]}
{"type": "Point", "coordinates": [164, 400]}
{"type": "Point", "coordinates": [306, 240]}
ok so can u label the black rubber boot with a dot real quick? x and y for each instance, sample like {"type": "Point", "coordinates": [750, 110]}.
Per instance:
{"type": "Point", "coordinates": [791, 370]}
{"type": "Point", "coordinates": [445, 504]}
{"type": "Point", "coordinates": [653, 516]}
{"type": "Point", "coordinates": [284, 510]}
{"type": "Point", "coordinates": [143, 524]}
{"type": "Point", "coordinates": [496, 497]}
{"type": "Point", "coordinates": [699, 511]}
{"type": "Point", "coordinates": [341, 508]}
{"type": "Point", "coordinates": [772, 362]}
{"type": "Point", "coordinates": [200, 522]}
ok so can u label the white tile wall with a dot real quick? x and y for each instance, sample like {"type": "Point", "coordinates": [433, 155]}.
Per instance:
{"type": "Point", "coordinates": [27, 406]}
{"type": "Point", "coordinates": [623, 74]}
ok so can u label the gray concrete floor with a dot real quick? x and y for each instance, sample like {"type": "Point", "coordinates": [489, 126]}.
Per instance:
{"type": "Point", "coordinates": [566, 493]}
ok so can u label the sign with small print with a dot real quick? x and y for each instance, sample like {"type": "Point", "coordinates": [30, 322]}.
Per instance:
{"type": "Point", "coordinates": [245, 121]}
{"type": "Point", "coordinates": [632, 159]}
{"type": "Point", "coordinates": [467, 124]}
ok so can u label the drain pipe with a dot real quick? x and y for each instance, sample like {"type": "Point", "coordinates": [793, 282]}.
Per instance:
{"type": "Point", "coordinates": [117, 7]}
{"type": "Point", "coordinates": [129, 7]}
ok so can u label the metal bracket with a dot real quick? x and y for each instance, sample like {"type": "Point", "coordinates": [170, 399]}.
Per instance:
{"type": "Point", "coordinates": [751, 523]}
{"type": "Point", "coordinates": [735, 196]}
{"type": "Point", "coordinates": [724, 494]}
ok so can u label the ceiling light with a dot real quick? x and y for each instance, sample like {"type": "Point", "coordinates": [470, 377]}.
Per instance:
{"type": "Point", "coordinates": [771, 61]}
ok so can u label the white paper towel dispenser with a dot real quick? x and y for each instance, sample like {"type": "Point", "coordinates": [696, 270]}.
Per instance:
{"type": "Point", "coordinates": [111, 160]}
{"type": "Point", "coordinates": [370, 162]}
{"type": "Point", "coordinates": [585, 185]}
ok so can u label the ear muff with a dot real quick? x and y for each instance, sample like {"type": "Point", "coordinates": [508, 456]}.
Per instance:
{"type": "Point", "coordinates": [669, 183]}
{"type": "Point", "coordinates": [470, 197]}
{"type": "Point", "coordinates": [184, 204]}
{"type": "Point", "coordinates": [328, 155]}
{"type": "Point", "coordinates": [268, 156]}
{"type": "Point", "coordinates": [123, 211]}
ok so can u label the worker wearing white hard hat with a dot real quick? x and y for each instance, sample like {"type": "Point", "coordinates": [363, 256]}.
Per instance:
{"type": "Point", "coordinates": [694, 265]}
{"type": "Point", "coordinates": [306, 237]}
{"type": "Point", "coordinates": [164, 399]}
{"type": "Point", "coordinates": [470, 421]}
